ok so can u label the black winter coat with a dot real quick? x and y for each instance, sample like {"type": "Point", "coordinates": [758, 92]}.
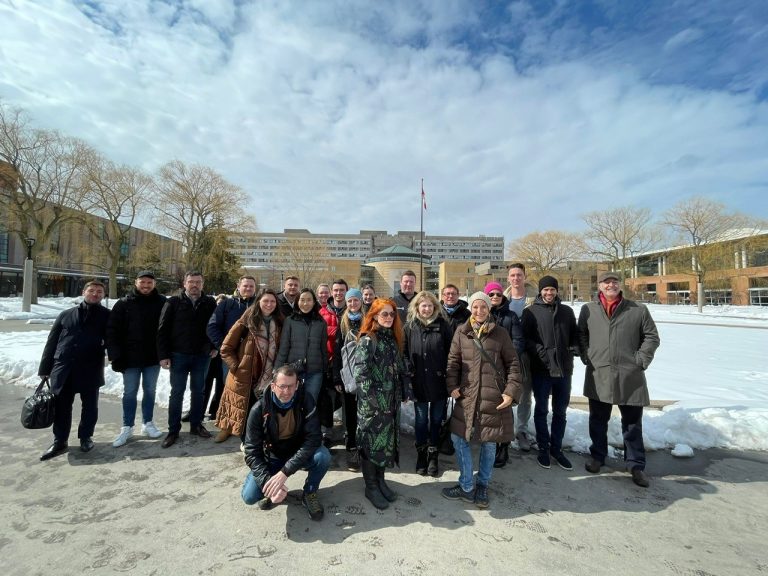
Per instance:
{"type": "Point", "coordinates": [74, 351]}
{"type": "Point", "coordinates": [262, 436]}
{"type": "Point", "coordinates": [182, 327]}
{"type": "Point", "coordinates": [508, 320]}
{"type": "Point", "coordinates": [132, 330]}
{"type": "Point", "coordinates": [459, 316]}
{"type": "Point", "coordinates": [552, 337]}
{"type": "Point", "coordinates": [300, 340]}
{"type": "Point", "coordinates": [426, 350]}
{"type": "Point", "coordinates": [224, 317]}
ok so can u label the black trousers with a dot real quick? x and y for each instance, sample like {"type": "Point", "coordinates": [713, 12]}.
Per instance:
{"type": "Point", "coordinates": [215, 374]}
{"type": "Point", "coordinates": [89, 412]}
{"type": "Point", "coordinates": [631, 429]}
{"type": "Point", "coordinates": [350, 420]}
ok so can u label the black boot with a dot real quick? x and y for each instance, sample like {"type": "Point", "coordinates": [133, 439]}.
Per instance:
{"type": "Point", "coordinates": [421, 459]}
{"type": "Point", "coordinates": [386, 491]}
{"type": "Point", "coordinates": [502, 455]}
{"type": "Point", "coordinates": [372, 490]}
{"type": "Point", "coordinates": [432, 461]}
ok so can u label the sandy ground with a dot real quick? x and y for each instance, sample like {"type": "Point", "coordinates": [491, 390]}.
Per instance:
{"type": "Point", "coordinates": [140, 509]}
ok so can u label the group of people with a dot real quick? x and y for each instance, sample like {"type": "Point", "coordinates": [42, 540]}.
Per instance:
{"type": "Point", "coordinates": [290, 359]}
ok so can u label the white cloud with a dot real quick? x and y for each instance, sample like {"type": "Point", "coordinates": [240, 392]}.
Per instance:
{"type": "Point", "coordinates": [330, 117]}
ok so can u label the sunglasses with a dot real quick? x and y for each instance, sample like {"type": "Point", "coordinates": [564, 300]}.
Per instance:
{"type": "Point", "coordinates": [495, 295]}
{"type": "Point", "coordinates": [387, 314]}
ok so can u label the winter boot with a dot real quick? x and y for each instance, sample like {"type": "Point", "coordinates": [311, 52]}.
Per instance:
{"type": "Point", "coordinates": [432, 461]}
{"type": "Point", "coordinates": [502, 455]}
{"type": "Point", "coordinates": [421, 459]}
{"type": "Point", "coordinates": [372, 490]}
{"type": "Point", "coordinates": [386, 491]}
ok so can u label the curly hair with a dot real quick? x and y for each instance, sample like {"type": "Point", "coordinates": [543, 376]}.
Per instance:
{"type": "Point", "coordinates": [371, 326]}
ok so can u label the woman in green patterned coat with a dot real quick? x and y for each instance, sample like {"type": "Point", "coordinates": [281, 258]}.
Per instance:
{"type": "Point", "coordinates": [379, 372]}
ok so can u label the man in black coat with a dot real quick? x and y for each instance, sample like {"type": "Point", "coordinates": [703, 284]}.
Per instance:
{"type": "Point", "coordinates": [73, 359]}
{"type": "Point", "coordinates": [287, 298]}
{"type": "Point", "coordinates": [282, 437]}
{"type": "Point", "coordinates": [132, 349]}
{"type": "Point", "coordinates": [456, 310]}
{"type": "Point", "coordinates": [184, 348]}
{"type": "Point", "coordinates": [552, 339]}
{"type": "Point", "coordinates": [405, 294]}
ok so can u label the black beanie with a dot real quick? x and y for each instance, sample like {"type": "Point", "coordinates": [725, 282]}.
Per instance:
{"type": "Point", "coordinates": [548, 282]}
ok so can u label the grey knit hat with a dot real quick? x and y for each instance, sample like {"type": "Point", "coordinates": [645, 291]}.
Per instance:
{"type": "Point", "coordinates": [479, 295]}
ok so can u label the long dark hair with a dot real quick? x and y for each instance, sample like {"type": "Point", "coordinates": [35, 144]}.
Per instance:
{"type": "Point", "coordinates": [256, 317]}
{"type": "Point", "coordinates": [314, 313]}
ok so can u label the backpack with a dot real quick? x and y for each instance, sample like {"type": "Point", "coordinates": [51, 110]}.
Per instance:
{"type": "Point", "coordinates": [348, 362]}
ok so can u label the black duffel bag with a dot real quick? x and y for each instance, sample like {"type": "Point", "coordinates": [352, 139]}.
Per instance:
{"type": "Point", "coordinates": [37, 411]}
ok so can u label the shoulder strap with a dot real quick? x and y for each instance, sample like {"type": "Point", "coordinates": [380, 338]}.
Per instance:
{"type": "Point", "coordinates": [488, 359]}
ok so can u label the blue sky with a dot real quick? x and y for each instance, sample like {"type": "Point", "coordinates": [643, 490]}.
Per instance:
{"type": "Point", "coordinates": [520, 116]}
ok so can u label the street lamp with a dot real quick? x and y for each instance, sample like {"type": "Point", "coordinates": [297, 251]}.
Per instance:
{"type": "Point", "coordinates": [26, 301]}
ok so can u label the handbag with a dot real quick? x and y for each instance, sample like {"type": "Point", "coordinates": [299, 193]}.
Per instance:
{"type": "Point", "coordinates": [37, 411]}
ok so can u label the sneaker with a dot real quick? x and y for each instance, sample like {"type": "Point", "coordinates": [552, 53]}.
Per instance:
{"type": "Point", "coordinates": [562, 461]}
{"type": "Point", "coordinates": [456, 493]}
{"type": "Point", "coordinates": [312, 503]}
{"type": "Point", "coordinates": [640, 478]}
{"type": "Point", "coordinates": [125, 433]}
{"type": "Point", "coordinates": [481, 496]}
{"type": "Point", "coordinates": [149, 429]}
{"type": "Point", "coordinates": [592, 466]}
{"type": "Point", "coordinates": [523, 442]}
{"type": "Point", "coordinates": [265, 504]}
{"type": "Point", "coordinates": [543, 459]}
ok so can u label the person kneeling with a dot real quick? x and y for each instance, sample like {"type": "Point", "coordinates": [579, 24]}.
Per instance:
{"type": "Point", "coordinates": [282, 437]}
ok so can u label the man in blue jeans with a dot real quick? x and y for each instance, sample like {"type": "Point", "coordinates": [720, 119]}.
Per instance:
{"type": "Point", "coordinates": [132, 349]}
{"type": "Point", "coordinates": [552, 339]}
{"type": "Point", "coordinates": [282, 437]}
{"type": "Point", "coordinates": [184, 348]}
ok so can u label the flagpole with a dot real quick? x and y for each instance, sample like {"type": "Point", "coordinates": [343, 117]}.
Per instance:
{"type": "Point", "coordinates": [421, 233]}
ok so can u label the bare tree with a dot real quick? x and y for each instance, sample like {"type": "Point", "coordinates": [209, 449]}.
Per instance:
{"type": "Point", "coordinates": [306, 258]}
{"type": "Point", "coordinates": [47, 176]}
{"type": "Point", "coordinates": [703, 225]}
{"type": "Point", "coordinates": [116, 194]}
{"type": "Point", "coordinates": [193, 201]}
{"type": "Point", "coordinates": [618, 235]}
{"type": "Point", "coordinates": [544, 252]}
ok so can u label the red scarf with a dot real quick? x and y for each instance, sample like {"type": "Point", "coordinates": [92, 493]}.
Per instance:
{"type": "Point", "coordinates": [609, 307]}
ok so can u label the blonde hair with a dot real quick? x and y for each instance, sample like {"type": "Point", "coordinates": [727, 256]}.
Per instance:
{"type": "Point", "coordinates": [413, 308]}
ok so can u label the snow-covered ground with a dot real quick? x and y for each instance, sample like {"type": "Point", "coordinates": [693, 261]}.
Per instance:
{"type": "Point", "coordinates": [713, 365]}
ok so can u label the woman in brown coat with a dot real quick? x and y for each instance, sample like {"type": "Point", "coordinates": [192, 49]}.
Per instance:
{"type": "Point", "coordinates": [483, 376]}
{"type": "Point", "coordinates": [249, 349]}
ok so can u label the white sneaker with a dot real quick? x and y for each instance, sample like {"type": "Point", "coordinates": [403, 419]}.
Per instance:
{"type": "Point", "coordinates": [149, 429]}
{"type": "Point", "coordinates": [125, 433]}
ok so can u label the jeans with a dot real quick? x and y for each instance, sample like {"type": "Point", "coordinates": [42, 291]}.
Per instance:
{"type": "Point", "coordinates": [182, 365]}
{"type": "Point", "coordinates": [428, 417]}
{"type": "Point", "coordinates": [313, 382]}
{"type": "Point", "coordinates": [147, 375]}
{"type": "Point", "coordinates": [631, 428]}
{"type": "Point", "coordinates": [560, 389]}
{"type": "Point", "coordinates": [464, 461]}
{"type": "Point", "coordinates": [251, 492]}
{"type": "Point", "coordinates": [525, 402]}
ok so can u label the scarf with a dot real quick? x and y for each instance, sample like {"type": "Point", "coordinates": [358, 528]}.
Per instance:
{"type": "Point", "coordinates": [354, 316]}
{"type": "Point", "coordinates": [450, 309]}
{"type": "Point", "coordinates": [480, 328]}
{"type": "Point", "coordinates": [281, 405]}
{"type": "Point", "coordinates": [266, 343]}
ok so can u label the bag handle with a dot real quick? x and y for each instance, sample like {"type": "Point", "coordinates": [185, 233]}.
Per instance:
{"type": "Point", "coordinates": [479, 346]}
{"type": "Point", "coordinates": [44, 381]}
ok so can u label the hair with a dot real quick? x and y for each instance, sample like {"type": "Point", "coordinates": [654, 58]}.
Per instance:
{"type": "Point", "coordinates": [413, 307]}
{"type": "Point", "coordinates": [285, 370]}
{"type": "Point", "coordinates": [94, 283]}
{"type": "Point", "coordinates": [341, 281]}
{"type": "Point", "coordinates": [408, 273]}
{"type": "Point", "coordinates": [291, 278]}
{"type": "Point", "coordinates": [517, 265]}
{"type": "Point", "coordinates": [449, 286]}
{"type": "Point", "coordinates": [246, 278]}
{"type": "Point", "coordinates": [321, 285]}
{"type": "Point", "coordinates": [370, 326]}
{"type": "Point", "coordinates": [345, 324]}
{"type": "Point", "coordinates": [368, 287]}
{"type": "Point", "coordinates": [315, 312]}
{"type": "Point", "coordinates": [220, 298]}
{"type": "Point", "coordinates": [193, 273]}
{"type": "Point", "coordinates": [255, 317]}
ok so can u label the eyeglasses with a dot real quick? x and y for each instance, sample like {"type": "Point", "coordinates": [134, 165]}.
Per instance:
{"type": "Point", "coordinates": [286, 386]}
{"type": "Point", "coordinates": [495, 295]}
{"type": "Point", "coordinates": [387, 314]}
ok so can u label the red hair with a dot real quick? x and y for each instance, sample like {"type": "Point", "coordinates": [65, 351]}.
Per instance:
{"type": "Point", "coordinates": [370, 325]}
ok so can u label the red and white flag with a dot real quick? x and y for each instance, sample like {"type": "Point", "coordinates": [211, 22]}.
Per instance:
{"type": "Point", "coordinates": [423, 196]}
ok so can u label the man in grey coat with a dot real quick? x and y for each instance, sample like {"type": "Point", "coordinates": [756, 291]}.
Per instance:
{"type": "Point", "coordinates": [618, 340]}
